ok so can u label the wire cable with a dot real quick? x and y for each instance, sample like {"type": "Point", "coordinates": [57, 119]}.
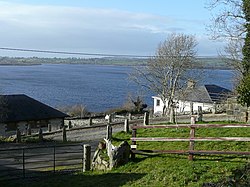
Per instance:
{"type": "Point", "coordinates": [84, 53]}
{"type": "Point", "coordinates": [71, 53]}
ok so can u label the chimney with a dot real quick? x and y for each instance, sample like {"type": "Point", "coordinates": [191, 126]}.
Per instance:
{"type": "Point", "coordinates": [191, 84]}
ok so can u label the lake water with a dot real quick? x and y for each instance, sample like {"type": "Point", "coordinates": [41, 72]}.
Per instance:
{"type": "Point", "coordinates": [98, 87]}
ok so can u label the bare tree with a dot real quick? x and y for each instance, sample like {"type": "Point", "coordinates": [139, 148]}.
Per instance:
{"type": "Point", "coordinates": [229, 21]}
{"type": "Point", "coordinates": [165, 72]}
{"type": "Point", "coordinates": [229, 24]}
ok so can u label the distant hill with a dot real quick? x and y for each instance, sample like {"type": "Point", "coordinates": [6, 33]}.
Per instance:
{"type": "Point", "coordinates": [200, 62]}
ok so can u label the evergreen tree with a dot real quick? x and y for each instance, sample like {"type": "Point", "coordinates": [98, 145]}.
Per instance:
{"type": "Point", "coordinates": [244, 86]}
{"type": "Point", "coordinates": [246, 47]}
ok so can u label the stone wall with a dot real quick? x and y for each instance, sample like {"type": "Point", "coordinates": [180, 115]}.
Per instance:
{"type": "Point", "coordinates": [56, 124]}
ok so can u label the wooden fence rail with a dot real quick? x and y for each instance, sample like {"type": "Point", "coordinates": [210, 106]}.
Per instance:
{"type": "Point", "coordinates": [192, 139]}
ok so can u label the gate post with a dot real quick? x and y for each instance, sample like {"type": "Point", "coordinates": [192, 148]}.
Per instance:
{"type": "Point", "coordinates": [86, 157]}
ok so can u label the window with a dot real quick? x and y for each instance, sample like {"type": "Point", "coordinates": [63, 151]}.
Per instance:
{"type": "Point", "coordinates": [158, 102]}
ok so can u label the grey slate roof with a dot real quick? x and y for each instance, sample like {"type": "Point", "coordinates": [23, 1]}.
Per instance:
{"type": "Point", "coordinates": [209, 93]}
{"type": "Point", "coordinates": [21, 107]}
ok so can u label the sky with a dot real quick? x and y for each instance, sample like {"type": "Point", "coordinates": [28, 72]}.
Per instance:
{"type": "Point", "coordinates": [131, 27]}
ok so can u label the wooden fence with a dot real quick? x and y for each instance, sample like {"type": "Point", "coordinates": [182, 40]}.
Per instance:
{"type": "Point", "coordinates": [192, 139]}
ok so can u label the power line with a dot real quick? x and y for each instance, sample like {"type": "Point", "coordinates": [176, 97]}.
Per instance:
{"type": "Point", "coordinates": [82, 53]}
{"type": "Point", "coordinates": [71, 53]}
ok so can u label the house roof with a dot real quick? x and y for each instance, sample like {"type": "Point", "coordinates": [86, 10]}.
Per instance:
{"type": "Point", "coordinates": [209, 93]}
{"type": "Point", "coordinates": [24, 108]}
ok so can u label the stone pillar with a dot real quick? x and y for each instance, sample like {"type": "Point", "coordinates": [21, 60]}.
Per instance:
{"type": "Point", "coordinates": [199, 115]}
{"type": "Point", "coordinates": [146, 118]}
{"type": "Point", "coordinates": [126, 125]}
{"type": "Point", "coordinates": [86, 157]}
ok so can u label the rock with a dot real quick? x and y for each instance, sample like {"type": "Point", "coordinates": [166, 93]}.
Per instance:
{"type": "Point", "coordinates": [108, 156]}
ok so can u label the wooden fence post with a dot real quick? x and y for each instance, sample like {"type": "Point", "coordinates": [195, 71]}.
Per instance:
{"type": "Point", "coordinates": [86, 157]}
{"type": "Point", "coordinates": [126, 125]}
{"type": "Point", "coordinates": [109, 132]}
{"type": "Point", "coordinates": [64, 134]}
{"type": "Point", "coordinates": [146, 118]}
{"type": "Point", "coordinates": [133, 144]}
{"type": "Point", "coordinates": [192, 135]}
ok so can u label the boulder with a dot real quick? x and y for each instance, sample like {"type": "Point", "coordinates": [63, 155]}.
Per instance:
{"type": "Point", "coordinates": [108, 156]}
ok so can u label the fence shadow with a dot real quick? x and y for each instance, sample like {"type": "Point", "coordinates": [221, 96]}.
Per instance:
{"type": "Point", "coordinates": [80, 179]}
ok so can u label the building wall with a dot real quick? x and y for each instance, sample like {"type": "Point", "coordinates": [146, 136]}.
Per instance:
{"type": "Point", "coordinates": [185, 107]}
{"type": "Point", "coordinates": [56, 124]}
{"type": "Point", "coordinates": [182, 107]}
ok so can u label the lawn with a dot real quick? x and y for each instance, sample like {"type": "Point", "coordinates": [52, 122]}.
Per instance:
{"type": "Point", "coordinates": [165, 169]}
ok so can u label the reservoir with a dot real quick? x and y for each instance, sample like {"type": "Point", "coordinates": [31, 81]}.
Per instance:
{"type": "Point", "coordinates": [98, 87]}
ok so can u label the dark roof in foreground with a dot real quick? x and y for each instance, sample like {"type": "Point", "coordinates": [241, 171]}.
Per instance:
{"type": "Point", "coordinates": [24, 108]}
{"type": "Point", "coordinates": [209, 93]}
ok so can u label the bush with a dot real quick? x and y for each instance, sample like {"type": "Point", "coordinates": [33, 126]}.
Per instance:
{"type": "Point", "coordinates": [75, 110]}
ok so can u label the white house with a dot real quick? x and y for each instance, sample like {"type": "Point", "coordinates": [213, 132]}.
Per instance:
{"type": "Point", "coordinates": [206, 96]}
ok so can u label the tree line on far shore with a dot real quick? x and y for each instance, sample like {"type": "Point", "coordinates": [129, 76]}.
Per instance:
{"type": "Point", "coordinates": [207, 62]}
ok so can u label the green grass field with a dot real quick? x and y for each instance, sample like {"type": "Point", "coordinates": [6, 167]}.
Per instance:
{"type": "Point", "coordinates": [165, 169]}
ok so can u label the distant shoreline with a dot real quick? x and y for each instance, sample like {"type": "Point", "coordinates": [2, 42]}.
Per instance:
{"type": "Point", "coordinates": [19, 64]}
{"type": "Point", "coordinates": [206, 67]}
{"type": "Point", "coordinates": [206, 63]}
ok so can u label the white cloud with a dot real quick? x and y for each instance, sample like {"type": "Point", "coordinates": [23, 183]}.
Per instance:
{"type": "Point", "coordinates": [91, 30]}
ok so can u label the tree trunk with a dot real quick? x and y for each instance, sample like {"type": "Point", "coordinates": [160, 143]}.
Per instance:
{"type": "Point", "coordinates": [172, 115]}
{"type": "Point", "coordinates": [164, 112]}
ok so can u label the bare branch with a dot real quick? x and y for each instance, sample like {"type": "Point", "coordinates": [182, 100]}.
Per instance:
{"type": "Point", "coordinates": [165, 72]}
